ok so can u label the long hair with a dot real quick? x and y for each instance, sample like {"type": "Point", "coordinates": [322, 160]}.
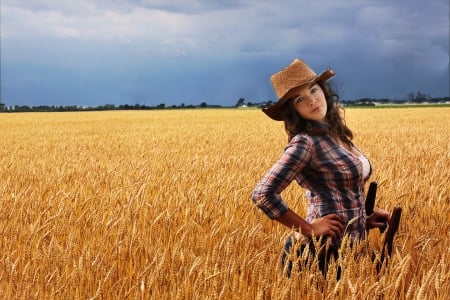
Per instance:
{"type": "Point", "coordinates": [295, 124]}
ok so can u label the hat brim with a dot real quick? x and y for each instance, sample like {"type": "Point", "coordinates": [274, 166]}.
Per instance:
{"type": "Point", "coordinates": [276, 113]}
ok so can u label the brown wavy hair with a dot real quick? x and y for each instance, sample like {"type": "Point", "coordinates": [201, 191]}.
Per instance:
{"type": "Point", "coordinates": [295, 124]}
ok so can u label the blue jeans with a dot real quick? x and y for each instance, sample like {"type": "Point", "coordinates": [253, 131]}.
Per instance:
{"type": "Point", "coordinates": [323, 257]}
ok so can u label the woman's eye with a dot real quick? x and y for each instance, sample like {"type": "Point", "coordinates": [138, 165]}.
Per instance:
{"type": "Point", "coordinates": [299, 100]}
{"type": "Point", "coordinates": [313, 90]}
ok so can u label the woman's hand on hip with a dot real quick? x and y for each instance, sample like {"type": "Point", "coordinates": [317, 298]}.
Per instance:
{"type": "Point", "coordinates": [329, 225]}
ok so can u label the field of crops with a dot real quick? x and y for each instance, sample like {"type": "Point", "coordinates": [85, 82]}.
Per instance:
{"type": "Point", "coordinates": [156, 205]}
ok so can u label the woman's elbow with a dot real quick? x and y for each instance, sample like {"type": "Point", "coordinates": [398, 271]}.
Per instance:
{"type": "Point", "coordinates": [257, 196]}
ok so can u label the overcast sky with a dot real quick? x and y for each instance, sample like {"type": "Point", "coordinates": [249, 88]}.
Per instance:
{"type": "Point", "coordinates": [96, 52]}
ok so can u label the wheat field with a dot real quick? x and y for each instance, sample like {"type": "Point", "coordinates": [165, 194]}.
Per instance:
{"type": "Point", "coordinates": [156, 205]}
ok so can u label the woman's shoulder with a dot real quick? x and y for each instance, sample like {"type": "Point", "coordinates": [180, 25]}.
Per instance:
{"type": "Point", "coordinates": [311, 142]}
{"type": "Point", "coordinates": [302, 140]}
{"type": "Point", "coordinates": [306, 138]}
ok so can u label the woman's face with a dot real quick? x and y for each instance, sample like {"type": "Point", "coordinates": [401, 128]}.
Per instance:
{"type": "Point", "coordinates": [310, 102]}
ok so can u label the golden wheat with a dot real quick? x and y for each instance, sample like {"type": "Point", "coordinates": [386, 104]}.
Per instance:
{"type": "Point", "coordinates": [156, 204]}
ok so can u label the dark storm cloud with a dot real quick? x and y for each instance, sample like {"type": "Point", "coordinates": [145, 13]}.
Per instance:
{"type": "Point", "coordinates": [192, 51]}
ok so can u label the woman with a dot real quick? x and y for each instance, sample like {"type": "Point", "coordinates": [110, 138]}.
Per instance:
{"type": "Point", "coordinates": [322, 158]}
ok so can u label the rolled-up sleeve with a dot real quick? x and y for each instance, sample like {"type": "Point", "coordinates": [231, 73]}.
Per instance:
{"type": "Point", "coordinates": [266, 194]}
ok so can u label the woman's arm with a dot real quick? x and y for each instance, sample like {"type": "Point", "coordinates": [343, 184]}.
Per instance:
{"type": "Point", "coordinates": [380, 218]}
{"type": "Point", "coordinates": [329, 225]}
{"type": "Point", "coordinates": [266, 194]}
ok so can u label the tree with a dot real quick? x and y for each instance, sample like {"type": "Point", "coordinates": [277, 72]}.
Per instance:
{"type": "Point", "coordinates": [240, 102]}
{"type": "Point", "coordinates": [418, 97]}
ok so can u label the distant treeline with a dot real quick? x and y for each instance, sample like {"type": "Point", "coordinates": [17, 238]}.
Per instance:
{"type": "Point", "coordinates": [240, 103]}
{"type": "Point", "coordinates": [376, 102]}
{"type": "Point", "coordinates": [63, 108]}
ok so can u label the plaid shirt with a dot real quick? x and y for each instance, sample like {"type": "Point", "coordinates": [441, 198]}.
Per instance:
{"type": "Point", "coordinates": [331, 175]}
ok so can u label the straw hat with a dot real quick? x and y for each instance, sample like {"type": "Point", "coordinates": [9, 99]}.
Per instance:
{"type": "Point", "coordinates": [298, 73]}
